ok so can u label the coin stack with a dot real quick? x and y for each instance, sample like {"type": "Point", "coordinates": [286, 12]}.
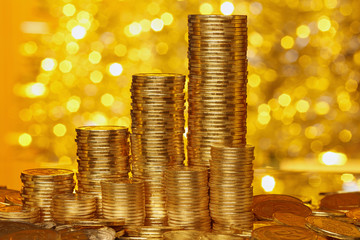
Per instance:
{"type": "Point", "coordinates": [148, 232]}
{"type": "Point", "coordinates": [187, 195]}
{"type": "Point", "coordinates": [217, 83]}
{"type": "Point", "coordinates": [103, 154]}
{"type": "Point", "coordinates": [68, 208]}
{"type": "Point", "coordinates": [20, 214]}
{"type": "Point", "coordinates": [158, 103]}
{"type": "Point", "coordinates": [231, 177]}
{"type": "Point", "coordinates": [41, 184]}
{"type": "Point", "coordinates": [124, 199]}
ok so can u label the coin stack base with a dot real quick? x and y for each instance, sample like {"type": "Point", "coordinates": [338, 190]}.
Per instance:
{"type": "Point", "coordinates": [158, 104]}
{"type": "Point", "coordinates": [73, 207]}
{"type": "Point", "coordinates": [103, 154]}
{"type": "Point", "coordinates": [231, 177]}
{"type": "Point", "coordinates": [40, 185]}
{"type": "Point", "coordinates": [188, 198]}
{"type": "Point", "coordinates": [124, 199]}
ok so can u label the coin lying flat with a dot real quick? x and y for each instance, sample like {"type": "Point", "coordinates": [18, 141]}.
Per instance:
{"type": "Point", "coordinates": [283, 233]}
{"type": "Point", "coordinates": [7, 227]}
{"type": "Point", "coordinates": [183, 235]}
{"type": "Point", "coordinates": [265, 197]}
{"type": "Point", "coordinates": [289, 219]}
{"type": "Point", "coordinates": [341, 201]}
{"type": "Point", "coordinates": [38, 234]}
{"type": "Point", "coordinates": [266, 209]}
{"type": "Point", "coordinates": [332, 228]}
{"type": "Point", "coordinates": [103, 233]}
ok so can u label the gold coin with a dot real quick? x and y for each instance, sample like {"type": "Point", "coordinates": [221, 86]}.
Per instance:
{"type": "Point", "coordinates": [289, 219]}
{"type": "Point", "coordinates": [341, 201]}
{"type": "Point", "coordinates": [283, 233]}
{"type": "Point", "coordinates": [332, 228]}
{"type": "Point", "coordinates": [266, 209]}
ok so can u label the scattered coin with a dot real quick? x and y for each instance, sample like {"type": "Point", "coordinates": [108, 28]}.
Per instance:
{"type": "Point", "coordinates": [332, 228]}
{"type": "Point", "coordinates": [289, 219]}
{"type": "Point", "coordinates": [281, 232]}
{"type": "Point", "coordinates": [341, 201]}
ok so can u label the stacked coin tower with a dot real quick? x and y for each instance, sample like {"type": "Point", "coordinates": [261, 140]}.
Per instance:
{"type": "Point", "coordinates": [73, 207]}
{"type": "Point", "coordinates": [187, 195]}
{"type": "Point", "coordinates": [103, 154]}
{"type": "Point", "coordinates": [231, 177]}
{"type": "Point", "coordinates": [124, 200]}
{"type": "Point", "coordinates": [41, 184]}
{"type": "Point", "coordinates": [20, 214]}
{"type": "Point", "coordinates": [157, 135]}
{"type": "Point", "coordinates": [217, 83]}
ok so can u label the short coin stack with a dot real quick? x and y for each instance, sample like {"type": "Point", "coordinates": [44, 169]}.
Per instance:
{"type": "Point", "coordinates": [158, 104]}
{"type": "Point", "coordinates": [20, 214]}
{"type": "Point", "coordinates": [148, 232]}
{"type": "Point", "coordinates": [231, 177]}
{"type": "Point", "coordinates": [187, 195]}
{"type": "Point", "coordinates": [68, 208]}
{"type": "Point", "coordinates": [103, 154]}
{"type": "Point", "coordinates": [41, 184]}
{"type": "Point", "coordinates": [124, 200]}
{"type": "Point", "coordinates": [217, 83]}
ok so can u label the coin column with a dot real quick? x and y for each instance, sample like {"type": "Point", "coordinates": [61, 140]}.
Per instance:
{"type": "Point", "coordinates": [217, 83]}
{"type": "Point", "coordinates": [103, 154]}
{"type": "Point", "coordinates": [231, 177]}
{"type": "Point", "coordinates": [124, 199]}
{"type": "Point", "coordinates": [187, 195]}
{"type": "Point", "coordinates": [158, 103]}
{"type": "Point", "coordinates": [40, 185]}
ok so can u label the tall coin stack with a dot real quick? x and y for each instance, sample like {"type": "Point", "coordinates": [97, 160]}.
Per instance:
{"type": "Point", "coordinates": [124, 200]}
{"type": "Point", "coordinates": [103, 154]}
{"type": "Point", "coordinates": [188, 198]}
{"type": "Point", "coordinates": [40, 185]}
{"type": "Point", "coordinates": [217, 83]}
{"type": "Point", "coordinates": [231, 177]}
{"type": "Point", "coordinates": [157, 135]}
{"type": "Point", "coordinates": [68, 208]}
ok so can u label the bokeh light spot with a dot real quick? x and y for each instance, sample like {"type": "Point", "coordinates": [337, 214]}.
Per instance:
{"type": "Point", "coordinates": [227, 8]}
{"type": "Point", "coordinates": [35, 90]}
{"type": "Point", "coordinates": [25, 139]}
{"type": "Point", "coordinates": [254, 80]}
{"type": "Point", "coordinates": [115, 69]}
{"type": "Point", "coordinates": [206, 8]}
{"type": "Point", "coordinates": [72, 47]}
{"type": "Point", "coordinates": [302, 106]}
{"type": "Point", "coordinates": [135, 28]}
{"type": "Point", "coordinates": [167, 18]}
{"type": "Point", "coordinates": [268, 183]}
{"type": "Point", "coordinates": [324, 24]}
{"type": "Point", "coordinates": [287, 42]}
{"type": "Point", "coordinates": [345, 135]}
{"type": "Point", "coordinates": [65, 66]}
{"type": "Point", "coordinates": [322, 108]}
{"type": "Point", "coordinates": [284, 99]}
{"type": "Point", "coordinates": [96, 76]}
{"type": "Point", "coordinates": [303, 31]}
{"type": "Point", "coordinates": [95, 57]}
{"type": "Point", "coordinates": [157, 24]}
{"type": "Point", "coordinates": [333, 158]}
{"type": "Point", "coordinates": [69, 10]}
{"type": "Point", "coordinates": [107, 99]}
{"type": "Point", "coordinates": [59, 130]}
{"type": "Point", "coordinates": [78, 32]}
{"type": "Point", "coordinates": [73, 104]}
{"type": "Point", "coordinates": [48, 64]}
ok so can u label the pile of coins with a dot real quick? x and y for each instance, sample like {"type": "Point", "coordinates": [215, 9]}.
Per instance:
{"type": "Point", "coordinates": [20, 214]}
{"type": "Point", "coordinates": [103, 154]}
{"type": "Point", "coordinates": [124, 199]}
{"type": "Point", "coordinates": [217, 83]}
{"type": "Point", "coordinates": [158, 104]}
{"type": "Point", "coordinates": [41, 184]}
{"type": "Point", "coordinates": [187, 195]}
{"type": "Point", "coordinates": [68, 208]}
{"type": "Point", "coordinates": [231, 177]}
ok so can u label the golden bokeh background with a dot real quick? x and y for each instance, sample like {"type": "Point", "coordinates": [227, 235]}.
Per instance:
{"type": "Point", "coordinates": [68, 63]}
